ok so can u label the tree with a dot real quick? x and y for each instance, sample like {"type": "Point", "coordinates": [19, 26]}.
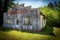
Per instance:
{"type": "Point", "coordinates": [50, 5]}
{"type": "Point", "coordinates": [4, 4]}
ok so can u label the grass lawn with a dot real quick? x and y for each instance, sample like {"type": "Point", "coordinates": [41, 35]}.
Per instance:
{"type": "Point", "coordinates": [17, 35]}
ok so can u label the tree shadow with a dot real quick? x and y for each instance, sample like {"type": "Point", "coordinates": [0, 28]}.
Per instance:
{"type": "Point", "coordinates": [45, 31]}
{"type": "Point", "coordinates": [5, 29]}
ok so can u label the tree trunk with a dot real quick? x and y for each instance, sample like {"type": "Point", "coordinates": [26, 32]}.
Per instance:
{"type": "Point", "coordinates": [1, 13]}
{"type": "Point", "coordinates": [2, 10]}
{"type": "Point", "coordinates": [1, 18]}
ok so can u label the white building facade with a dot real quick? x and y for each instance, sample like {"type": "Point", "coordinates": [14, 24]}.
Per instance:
{"type": "Point", "coordinates": [24, 18]}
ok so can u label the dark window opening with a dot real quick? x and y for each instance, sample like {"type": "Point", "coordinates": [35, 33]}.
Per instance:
{"type": "Point", "coordinates": [17, 22]}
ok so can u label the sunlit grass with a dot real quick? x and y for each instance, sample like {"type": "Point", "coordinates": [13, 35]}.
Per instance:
{"type": "Point", "coordinates": [17, 35]}
{"type": "Point", "coordinates": [57, 31]}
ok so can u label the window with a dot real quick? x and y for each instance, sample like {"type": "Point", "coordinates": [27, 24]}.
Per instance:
{"type": "Point", "coordinates": [8, 20]}
{"type": "Point", "coordinates": [17, 22]}
{"type": "Point", "coordinates": [30, 21]}
{"type": "Point", "coordinates": [27, 21]}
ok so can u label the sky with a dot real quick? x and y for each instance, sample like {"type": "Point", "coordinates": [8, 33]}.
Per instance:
{"type": "Point", "coordinates": [35, 3]}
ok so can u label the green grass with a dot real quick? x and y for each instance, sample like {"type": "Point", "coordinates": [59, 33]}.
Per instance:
{"type": "Point", "coordinates": [17, 35]}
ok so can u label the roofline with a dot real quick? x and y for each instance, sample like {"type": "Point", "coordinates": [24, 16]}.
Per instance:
{"type": "Point", "coordinates": [42, 14]}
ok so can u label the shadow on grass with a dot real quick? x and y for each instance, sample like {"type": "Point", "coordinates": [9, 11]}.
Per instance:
{"type": "Point", "coordinates": [46, 31]}
{"type": "Point", "coordinates": [5, 29]}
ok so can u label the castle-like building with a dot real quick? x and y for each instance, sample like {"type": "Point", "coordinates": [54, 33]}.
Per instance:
{"type": "Point", "coordinates": [25, 18]}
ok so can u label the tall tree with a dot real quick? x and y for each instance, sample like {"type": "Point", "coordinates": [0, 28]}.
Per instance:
{"type": "Point", "coordinates": [4, 4]}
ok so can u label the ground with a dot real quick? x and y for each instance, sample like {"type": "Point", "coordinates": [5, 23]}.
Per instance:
{"type": "Point", "coordinates": [18, 35]}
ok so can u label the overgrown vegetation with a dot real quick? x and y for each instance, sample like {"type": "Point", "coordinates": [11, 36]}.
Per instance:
{"type": "Point", "coordinates": [52, 12]}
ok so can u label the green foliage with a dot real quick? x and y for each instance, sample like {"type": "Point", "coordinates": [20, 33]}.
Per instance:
{"type": "Point", "coordinates": [50, 5]}
{"type": "Point", "coordinates": [52, 15]}
{"type": "Point", "coordinates": [52, 12]}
